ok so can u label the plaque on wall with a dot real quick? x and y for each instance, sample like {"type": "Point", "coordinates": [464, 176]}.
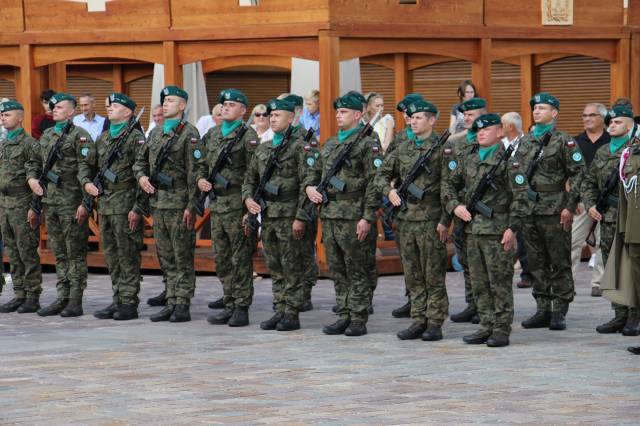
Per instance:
{"type": "Point", "coordinates": [557, 12]}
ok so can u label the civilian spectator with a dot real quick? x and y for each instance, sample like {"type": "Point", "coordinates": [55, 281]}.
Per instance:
{"type": "Point", "coordinates": [261, 123]}
{"type": "Point", "coordinates": [89, 119]}
{"type": "Point", "coordinates": [385, 127]}
{"type": "Point", "coordinates": [311, 113]}
{"type": "Point", "coordinates": [41, 122]}
{"type": "Point", "coordinates": [207, 122]}
{"type": "Point", "coordinates": [466, 91]}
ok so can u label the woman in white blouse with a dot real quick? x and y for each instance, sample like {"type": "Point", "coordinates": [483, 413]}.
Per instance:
{"type": "Point", "coordinates": [384, 127]}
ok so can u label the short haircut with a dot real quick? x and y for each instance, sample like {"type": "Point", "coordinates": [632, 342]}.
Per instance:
{"type": "Point", "coordinates": [46, 95]}
{"type": "Point", "coordinates": [602, 110]}
{"type": "Point", "coordinates": [313, 95]}
{"type": "Point", "coordinates": [372, 96]}
{"type": "Point", "coordinates": [87, 95]}
{"type": "Point", "coordinates": [513, 118]}
{"type": "Point", "coordinates": [156, 107]}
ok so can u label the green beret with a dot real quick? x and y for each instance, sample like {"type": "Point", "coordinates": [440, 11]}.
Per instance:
{"type": "Point", "coordinates": [471, 104]}
{"type": "Point", "coordinates": [421, 106]}
{"type": "Point", "coordinates": [618, 111]}
{"type": "Point", "coordinates": [359, 96]}
{"type": "Point", "coordinates": [173, 91]}
{"type": "Point", "coordinates": [545, 98]}
{"type": "Point", "coordinates": [408, 100]}
{"type": "Point", "coordinates": [122, 99]}
{"type": "Point", "coordinates": [295, 100]}
{"type": "Point", "coordinates": [349, 102]}
{"type": "Point", "coordinates": [234, 95]}
{"type": "Point", "coordinates": [280, 105]}
{"type": "Point", "coordinates": [11, 106]}
{"type": "Point", "coordinates": [59, 97]}
{"type": "Point", "coordinates": [485, 120]}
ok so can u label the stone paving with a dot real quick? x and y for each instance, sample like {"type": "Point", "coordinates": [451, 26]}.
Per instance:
{"type": "Point", "coordinates": [86, 371]}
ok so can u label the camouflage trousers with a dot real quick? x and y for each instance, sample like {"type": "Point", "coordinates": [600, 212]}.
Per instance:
{"type": "Point", "coordinates": [121, 247]}
{"type": "Point", "coordinates": [21, 245]}
{"type": "Point", "coordinates": [283, 253]}
{"type": "Point", "coordinates": [460, 243]}
{"type": "Point", "coordinates": [491, 269]}
{"type": "Point", "coordinates": [548, 246]}
{"type": "Point", "coordinates": [424, 260]}
{"type": "Point", "coordinates": [69, 243]}
{"type": "Point", "coordinates": [234, 258]}
{"type": "Point", "coordinates": [349, 263]}
{"type": "Point", "coordinates": [175, 246]}
{"type": "Point", "coordinates": [373, 264]}
{"type": "Point", "coordinates": [308, 258]}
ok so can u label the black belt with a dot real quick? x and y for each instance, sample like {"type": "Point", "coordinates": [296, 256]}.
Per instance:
{"type": "Point", "coordinates": [345, 195]}
{"type": "Point", "coordinates": [283, 196]}
{"type": "Point", "coordinates": [118, 186]}
{"type": "Point", "coordinates": [500, 209]}
{"type": "Point", "coordinates": [16, 190]}
{"type": "Point", "coordinates": [427, 197]}
{"type": "Point", "coordinates": [231, 190]}
{"type": "Point", "coordinates": [552, 187]}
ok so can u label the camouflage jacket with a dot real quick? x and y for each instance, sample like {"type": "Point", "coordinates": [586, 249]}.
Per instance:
{"type": "Point", "coordinates": [123, 195]}
{"type": "Point", "coordinates": [509, 202]}
{"type": "Point", "coordinates": [14, 154]}
{"type": "Point", "coordinates": [454, 150]}
{"type": "Point", "coordinates": [184, 153]}
{"type": "Point", "coordinates": [361, 198]}
{"type": "Point", "coordinates": [629, 209]}
{"type": "Point", "coordinates": [398, 164]}
{"type": "Point", "coordinates": [68, 193]}
{"type": "Point", "coordinates": [561, 162]}
{"type": "Point", "coordinates": [398, 139]}
{"type": "Point", "coordinates": [241, 154]}
{"type": "Point", "coordinates": [286, 180]}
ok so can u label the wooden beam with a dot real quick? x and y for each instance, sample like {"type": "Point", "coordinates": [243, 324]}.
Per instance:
{"type": "Point", "coordinates": [28, 84]}
{"type": "Point", "coordinates": [329, 47]}
{"type": "Point", "coordinates": [634, 68]}
{"type": "Point", "coordinates": [481, 70]}
{"type": "Point", "coordinates": [527, 89]}
{"type": "Point", "coordinates": [118, 79]}
{"type": "Point", "coordinates": [620, 71]}
{"type": "Point", "coordinates": [402, 83]}
{"type": "Point", "coordinates": [58, 76]}
{"type": "Point", "coordinates": [172, 71]}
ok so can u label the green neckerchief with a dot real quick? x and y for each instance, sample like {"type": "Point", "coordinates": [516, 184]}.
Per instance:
{"type": "Point", "coordinates": [419, 142]}
{"type": "Point", "coordinates": [471, 136]}
{"type": "Point", "coordinates": [410, 133]}
{"type": "Point", "coordinates": [278, 137]}
{"type": "Point", "coordinates": [295, 128]}
{"type": "Point", "coordinates": [541, 129]}
{"type": "Point", "coordinates": [60, 126]}
{"type": "Point", "coordinates": [618, 142]}
{"type": "Point", "coordinates": [12, 134]}
{"type": "Point", "coordinates": [343, 135]}
{"type": "Point", "coordinates": [488, 152]}
{"type": "Point", "coordinates": [115, 129]}
{"type": "Point", "coordinates": [169, 124]}
{"type": "Point", "coordinates": [229, 126]}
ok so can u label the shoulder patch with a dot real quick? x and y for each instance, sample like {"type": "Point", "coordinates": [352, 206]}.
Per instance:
{"type": "Point", "coordinates": [515, 166]}
{"type": "Point", "coordinates": [571, 143]}
{"type": "Point", "coordinates": [311, 161]}
{"type": "Point", "coordinates": [197, 154]}
{"type": "Point", "coordinates": [83, 139]}
{"type": "Point", "coordinates": [141, 142]}
{"type": "Point", "coordinates": [375, 149]}
{"type": "Point", "coordinates": [453, 165]}
{"type": "Point", "coordinates": [447, 151]}
{"type": "Point", "coordinates": [253, 142]}
{"type": "Point", "coordinates": [307, 147]}
{"type": "Point", "coordinates": [377, 162]}
{"type": "Point", "coordinates": [577, 156]}
{"type": "Point", "coordinates": [85, 151]}
{"type": "Point", "coordinates": [194, 140]}
{"type": "Point", "coordinates": [519, 179]}
{"type": "Point", "coordinates": [314, 142]}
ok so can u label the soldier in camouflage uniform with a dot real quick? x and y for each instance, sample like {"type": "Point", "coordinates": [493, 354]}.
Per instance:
{"type": "Point", "coordinates": [173, 198]}
{"type": "Point", "coordinates": [423, 226]}
{"type": "Point", "coordinates": [547, 230]}
{"type": "Point", "coordinates": [283, 221]}
{"type": "Point", "coordinates": [490, 236]}
{"type": "Point", "coordinates": [66, 218]}
{"type": "Point", "coordinates": [234, 248]}
{"type": "Point", "coordinates": [20, 240]}
{"type": "Point", "coordinates": [458, 148]}
{"type": "Point", "coordinates": [347, 218]}
{"type": "Point", "coordinates": [120, 207]}
{"type": "Point", "coordinates": [605, 165]}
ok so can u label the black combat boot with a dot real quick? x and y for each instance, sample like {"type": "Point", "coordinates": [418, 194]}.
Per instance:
{"type": "Point", "coordinates": [630, 327]}
{"type": "Point", "coordinates": [12, 305]}
{"type": "Point", "coordinates": [53, 309]}
{"type": "Point", "coordinates": [403, 311]}
{"type": "Point", "coordinates": [541, 319]}
{"type": "Point", "coordinates": [356, 328]}
{"type": "Point", "coordinates": [433, 333]}
{"type": "Point", "coordinates": [272, 322]}
{"type": "Point", "coordinates": [216, 304]}
{"type": "Point", "coordinates": [106, 313]}
{"type": "Point", "coordinates": [73, 309]}
{"type": "Point", "coordinates": [180, 313]}
{"type": "Point", "coordinates": [30, 306]}
{"type": "Point", "coordinates": [557, 321]}
{"type": "Point", "coordinates": [498, 339]}
{"type": "Point", "coordinates": [414, 331]}
{"type": "Point", "coordinates": [464, 316]}
{"type": "Point", "coordinates": [240, 317]}
{"type": "Point", "coordinates": [475, 319]}
{"type": "Point", "coordinates": [337, 327]}
{"type": "Point", "coordinates": [159, 300]}
{"type": "Point", "coordinates": [126, 312]}
{"type": "Point", "coordinates": [289, 322]}
{"type": "Point", "coordinates": [307, 305]}
{"type": "Point", "coordinates": [221, 317]}
{"type": "Point", "coordinates": [634, 350]}
{"type": "Point", "coordinates": [477, 338]}
{"type": "Point", "coordinates": [613, 326]}
{"type": "Point", "coordinates": [163, 315]}
{"type": "Point", "coordinates": [334, 309]}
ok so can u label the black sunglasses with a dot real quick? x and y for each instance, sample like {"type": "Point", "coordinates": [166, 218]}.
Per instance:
{"type": "Point", "coordinates": [261, 114]}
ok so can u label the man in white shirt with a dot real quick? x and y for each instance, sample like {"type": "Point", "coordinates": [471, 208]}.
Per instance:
{"type": "Point", "coordinates": [89, 120]}
{"type": "Point", "coordinates": [207, 122]}
{"type": "Point", "coordinates": [156, 119]}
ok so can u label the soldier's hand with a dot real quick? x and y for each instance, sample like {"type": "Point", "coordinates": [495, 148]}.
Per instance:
{"type": "Point", "coordinates": [35, 187]}
{"type": "Point", "coordinates": [91, 189]}
{"type": "Point", "coordinates": [252, 206]}
{"type": "Point", "coordinates": [462, 212]}
{"type": "Point", "coordinates": [189, 219]}
{"type": "Point", "coordinates": [395, 198]}
{"type": "Point", "coordinates": [579, 208]}
{"type": "Point", "coordinates": [443, 232]}
{"type": "Point", "coordinates": [81, 214]}
{"type": "Point", "coordinates": [146, 186]}
{"type": "Point", "coordinates": [33, 219]}
{"type": "Point", "coordinates": [508, 240]}
{"type": "Point", "coordinates": [245, 220]}
{"type": "Point", "coordinates": [595, 214]}
{"type": "Point", "coordinates": [298, 228]}
{"type": "Point", "coordinates": [204, 185]}
{"type": "Point", "coordinates": [566, 219]}
{"type": "Point", "coordinates": [134, 220]}
{"type": "Point", "coordinates": [362, 230]}
{"type": "Point", "coordinates": [313, 194]}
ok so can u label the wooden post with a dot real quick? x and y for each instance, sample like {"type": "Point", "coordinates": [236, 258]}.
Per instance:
{"type": "Point", "coordinates": [528, 89]}
{"type": "Point", "coordinates": [481, 71]}
{"type": "Point", "coordinates": [634, 65]}
{"type": "Point", "coordinates": [172, 71]}
{"type": "Point", "coordinates": [620, 70]}
{"type": "Point", "coordinates": [58, 77]}
{"type": "Point", "coordinates": [118, 79]}
{"type": "Point", "coordinates": [402, 84]}
{"type": "Point", "coordinates": [329, 52]}
{"type": "Point", "coordinates": [27, 85]}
